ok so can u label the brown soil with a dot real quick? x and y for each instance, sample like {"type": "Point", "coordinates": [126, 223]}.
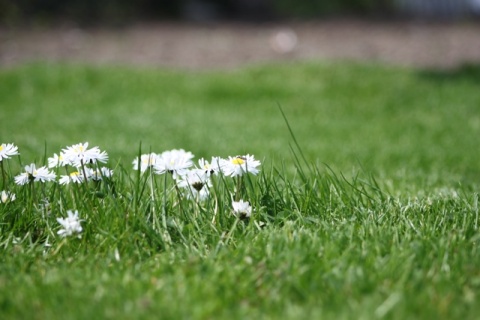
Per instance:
{"type": "Point", "coordinates": [194, 46]}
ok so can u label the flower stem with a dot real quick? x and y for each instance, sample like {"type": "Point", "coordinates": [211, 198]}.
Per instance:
{"type": "Point", "coordinates": [84, 174]}
{"type": "Point", "coordinates": [238, 193]}
{"type": "Point", "coordinates": [152, 193]}
{"type": "Point", "coordinates": [164, 208]}
{"type": "Point", "coordinates": [179, 195]}
{"type": "Point", "coordinates": [4, 178]}
{"type": "Point", "coordinates": [165, 235]}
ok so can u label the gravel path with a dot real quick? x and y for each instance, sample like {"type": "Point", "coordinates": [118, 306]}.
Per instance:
{"type": "Point", "coordinates": [193, 46]}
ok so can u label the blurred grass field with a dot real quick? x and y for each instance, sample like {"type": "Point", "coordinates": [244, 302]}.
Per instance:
{"type": "Point", "coordinates": [397, 123]}
{"type": "Point", "coordinates": [404, 248]}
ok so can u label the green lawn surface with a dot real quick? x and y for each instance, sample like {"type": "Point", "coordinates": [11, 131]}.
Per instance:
{"type": "Point", "coordinates": [366, 206]}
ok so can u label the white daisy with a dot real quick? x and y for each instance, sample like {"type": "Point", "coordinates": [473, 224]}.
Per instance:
{"type": "Point", "coordinates": [146, 161]}
{"type": "Point", "coordinates": [174, 161]}
{"type": "Point", "coordinates": [237, 166]}
{"type": "Point", "coordinates": [99, 174]}
{"type": "Point", "coordinates": [212, 167]}
{"type": "Point", "coordinates": [56, 160]}
{"type": "Point", "coordinates": [7, 150]}
{"type": "Point", "coordinates": [73, 177]}
{"type": "Point", "coordinates": [23, 177]}
{"type": "Point", "coordinates": [79, 155]}
{"type": "Point", "coordinates": [6, 196]}
{"type": "Point", "coordinates": [42, 174]}
{"type": "Point", "coordinates": [33, 174]}
{"type": "Point", "coordinates": [196, 182]}
{"type": "Point", "coordinates": [70, 224]}
{"type": "Point", "coordinates": [242, 209]}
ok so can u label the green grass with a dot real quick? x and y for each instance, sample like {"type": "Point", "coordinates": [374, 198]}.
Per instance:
{"type": "Point", "coordinates": [380, 221]}
{"type": "Point", "coordinates": [394, 122]}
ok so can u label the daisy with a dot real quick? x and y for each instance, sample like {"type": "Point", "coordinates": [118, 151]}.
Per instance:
{"type": "Point", "coordinates": [237, 166]}
{"type": "Point", "coordinates": [57, 160]}
{"type": "Point", "coordinates": [146, 161]}
{"type": "Point", "coordinates": [242, 209]}
{"type": "Point", "coordinates": [73, 177]}
{"type": "Point", "coordinates": [211, 167]}
{"type": "Point", "coordinates": [33, 174]}
{"type": "Point", "coordinates": [79, 155]}
{"type": "Point", "coordinates": [43, 175]}
{"type": "Point", "coordinates": [24, 177]}
{"type": "Point", "coordinates": [99, 174]}
{"type": "Point", "coordinates": [196, 182]}
{"type": "Point", "coordinates": [70, 224]}
{"type": "Point", "coordinates": [6, 196]}
{"type": "Point", "coordinates": [174, 161]}
{"type": "Point", "coordinates": [7, 150]}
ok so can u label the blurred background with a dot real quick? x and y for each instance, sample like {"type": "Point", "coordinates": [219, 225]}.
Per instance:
{"type": "Point", "coordinates": [199, 34]}
{"type": "Point", "coordinates": [122, 12]}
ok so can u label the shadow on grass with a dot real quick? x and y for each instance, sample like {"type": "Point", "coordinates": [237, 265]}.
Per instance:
{"type": "Point", "coordinates": [467, 72]}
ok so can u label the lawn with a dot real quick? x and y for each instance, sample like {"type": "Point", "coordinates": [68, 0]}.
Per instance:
{"type": "Point", "coordinates": [366, 204]}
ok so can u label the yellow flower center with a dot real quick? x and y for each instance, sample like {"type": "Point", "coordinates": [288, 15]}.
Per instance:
{"type": "Point", "coordinates": [74, 174]}
{"type": "Point", "coordinates": [1, 147]}
{"type": "Point", "coordinates": [238, 161]}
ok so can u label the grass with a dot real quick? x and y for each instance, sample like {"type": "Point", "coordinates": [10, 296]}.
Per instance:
{"type": "Point", "coordinates": [392, 122]}
{"type": "Point", "coordinates": [379, 221]}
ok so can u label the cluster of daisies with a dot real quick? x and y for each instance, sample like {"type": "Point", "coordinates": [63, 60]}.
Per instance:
{"type": "Point", "coordinates": [195, 178]}
{"type": "Point", "coordinates": [79, 156]}
{"type": "Point", "coordinates": [82, 164]}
